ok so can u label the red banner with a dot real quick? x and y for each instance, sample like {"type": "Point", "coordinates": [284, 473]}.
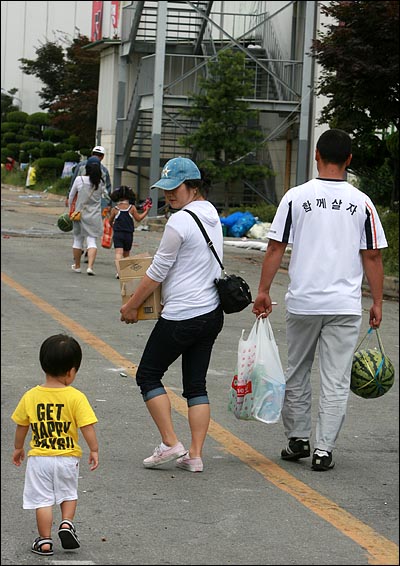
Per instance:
{"type": "Point", "coordinates": [114, 14]}
{"type": "Point", "coordinates": [97, 20]}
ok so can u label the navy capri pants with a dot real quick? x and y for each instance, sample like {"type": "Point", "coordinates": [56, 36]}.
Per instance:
{"type": "Point", "coordinates": [193, 339]}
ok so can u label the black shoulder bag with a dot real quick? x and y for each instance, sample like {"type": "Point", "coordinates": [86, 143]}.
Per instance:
{"type": "Point", "coordinates": [234, 293]}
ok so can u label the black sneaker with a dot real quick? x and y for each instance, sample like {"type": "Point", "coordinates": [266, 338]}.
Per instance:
{"type": "Point", "coordinates": [322, 461]}
{"type": "Point", "coordinates": [297, 448]}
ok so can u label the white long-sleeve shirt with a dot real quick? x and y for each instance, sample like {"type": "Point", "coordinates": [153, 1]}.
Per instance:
{"type": "Point", "coordinates": [186, 266]}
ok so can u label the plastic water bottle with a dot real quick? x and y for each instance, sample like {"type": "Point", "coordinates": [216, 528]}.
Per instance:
{"type": "Point", "coordinates": [269, 396]}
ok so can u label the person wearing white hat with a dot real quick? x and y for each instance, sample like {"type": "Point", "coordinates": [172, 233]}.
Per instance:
{"type": "Point", "coordinates": [98, 151]}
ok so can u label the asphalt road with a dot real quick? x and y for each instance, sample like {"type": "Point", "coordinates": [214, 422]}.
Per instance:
{"type": "Point", "coordinates": [248, 506]}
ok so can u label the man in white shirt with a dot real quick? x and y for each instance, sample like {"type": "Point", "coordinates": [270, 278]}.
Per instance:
{"type": "Point", "coordinates": [336, 236]}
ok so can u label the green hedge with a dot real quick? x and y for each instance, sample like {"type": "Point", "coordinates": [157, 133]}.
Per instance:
{"type": "Point", "coordinates": [17, 116]}
{"type": "Point", "coordinates": [48, 168]}
{"type": "Point", "coordinates": [390, 255]}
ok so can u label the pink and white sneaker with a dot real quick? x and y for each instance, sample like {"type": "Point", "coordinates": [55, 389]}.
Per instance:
{"type": "Point", "coordinates": [163, 454]}
{"type": "Point", "coordinates": [190, 464]}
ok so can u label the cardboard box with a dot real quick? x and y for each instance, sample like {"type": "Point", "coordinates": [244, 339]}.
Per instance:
{"type": "Point", "coordinates": [131, 270]}
{"type": "Point", "coordinates": [134, 266]}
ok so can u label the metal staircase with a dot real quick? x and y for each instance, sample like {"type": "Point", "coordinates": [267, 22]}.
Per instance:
{"type": "Point", "coordinates": [185, 26]}
{"type": "Point", "coordinates": [189, 45]}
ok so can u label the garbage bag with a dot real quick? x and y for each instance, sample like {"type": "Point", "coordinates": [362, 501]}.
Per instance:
{"type": "Point", "coordinates": [232, 218]}
{"type": "Point", "coordinates": [242, 225]}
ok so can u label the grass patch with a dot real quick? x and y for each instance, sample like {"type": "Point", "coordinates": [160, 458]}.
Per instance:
{"type": "Point", "coordinates": [18, 178]}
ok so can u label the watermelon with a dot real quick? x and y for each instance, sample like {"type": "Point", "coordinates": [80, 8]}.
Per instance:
{"type": "Point", "coordinates": [64, 222]}
{"type": "Point", "coordinates": [372, 374]}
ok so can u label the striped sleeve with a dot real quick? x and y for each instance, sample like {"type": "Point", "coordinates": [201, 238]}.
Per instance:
{"type": "Point", "coordinates": [374, 236]}
{"type": "Point", "coordinates": [288, 224]}
{"type": "Point", "coordinates": [281, 227]}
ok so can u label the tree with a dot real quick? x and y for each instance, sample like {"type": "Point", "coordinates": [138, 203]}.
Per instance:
{"type": "Point", "coordinates": [49, 67]}
{"type": "Point", "coordinates": [71, 79]}
{"type": "Point", "coordinates": [22, 136]}
{"type": "Point", "coordinates": [7, 103]}
{"type": "Point", "coordinates": [228, 130]}
{"type": "Point", "coordinates": [359, 55]}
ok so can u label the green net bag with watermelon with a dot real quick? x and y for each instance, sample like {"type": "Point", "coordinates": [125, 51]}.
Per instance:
{"type": "Point", "coordinates": [372, 372]}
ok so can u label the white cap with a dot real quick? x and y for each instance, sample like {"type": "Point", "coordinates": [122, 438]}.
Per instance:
{"type": "Point", "coordinates": [99, 149]}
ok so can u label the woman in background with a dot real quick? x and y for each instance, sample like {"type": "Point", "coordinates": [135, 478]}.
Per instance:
{"type": "Point", "coordinates": [88, 189]}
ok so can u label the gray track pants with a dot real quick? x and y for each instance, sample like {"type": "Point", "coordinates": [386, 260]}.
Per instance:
{"type": "Point", "coordinates": [337, 336]}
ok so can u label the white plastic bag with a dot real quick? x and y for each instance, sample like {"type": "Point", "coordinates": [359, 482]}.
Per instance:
{"type": "Point", "coordinates": [258, 387]}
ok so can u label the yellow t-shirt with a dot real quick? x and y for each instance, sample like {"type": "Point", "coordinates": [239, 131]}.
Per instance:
{"type": "Point", "coordinates": [54, 415]}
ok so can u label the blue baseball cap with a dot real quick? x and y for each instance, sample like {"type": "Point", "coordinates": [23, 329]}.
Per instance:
{"type": "Point", "coordinates": [93, 159]}
{"type": "Point", "coordinates": [176, 171]}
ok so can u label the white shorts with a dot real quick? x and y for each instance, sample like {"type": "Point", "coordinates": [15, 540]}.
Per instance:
{"type": "Point", "coordinates": [78, 242]}
{"type": "Point", "coordinates": [50, 480]}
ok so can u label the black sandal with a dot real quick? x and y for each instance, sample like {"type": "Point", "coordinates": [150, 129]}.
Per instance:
{"type": "Point", "coordinates": [68, 536]}
{"type": "Point", "coordinates": [39, 542]}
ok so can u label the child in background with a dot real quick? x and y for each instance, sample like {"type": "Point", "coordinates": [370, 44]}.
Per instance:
{"type": "Point", "coordinates": [54, 411]}
{"type": "Point", "coordinates": [122, 218]}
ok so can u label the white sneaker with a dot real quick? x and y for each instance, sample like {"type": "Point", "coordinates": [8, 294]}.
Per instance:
{"type": "Point", "coordinates": [163, 454]}
{"type": "Point", "coordinates": [76, 269]}
{"type": "Point", "coordinates": [90, 271]}
{"type": "Point", "coordinates": [190, 464]}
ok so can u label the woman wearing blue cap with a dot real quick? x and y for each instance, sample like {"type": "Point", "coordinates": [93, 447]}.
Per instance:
{"type": "Point", "coordinates": [191, 316]}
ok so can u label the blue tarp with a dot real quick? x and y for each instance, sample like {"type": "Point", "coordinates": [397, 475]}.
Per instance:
{"type": "Point", "coordinates": [238, 223]}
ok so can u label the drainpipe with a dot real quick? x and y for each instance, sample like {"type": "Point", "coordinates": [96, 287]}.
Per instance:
{"type": "Point", "coordinates": [122, 80]}
{"type": "Point", "coordinates": [288, 162]}
{"type": "Point", "coordinates": [307, 95]}
{"type": "Point", "coordinates": [158, 102]}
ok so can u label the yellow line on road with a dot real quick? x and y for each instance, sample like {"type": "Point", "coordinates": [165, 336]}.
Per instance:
{"type": "Point", "coordinates": [77, 329]}
{"type": "Point", "coordinates": [380, 550]}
